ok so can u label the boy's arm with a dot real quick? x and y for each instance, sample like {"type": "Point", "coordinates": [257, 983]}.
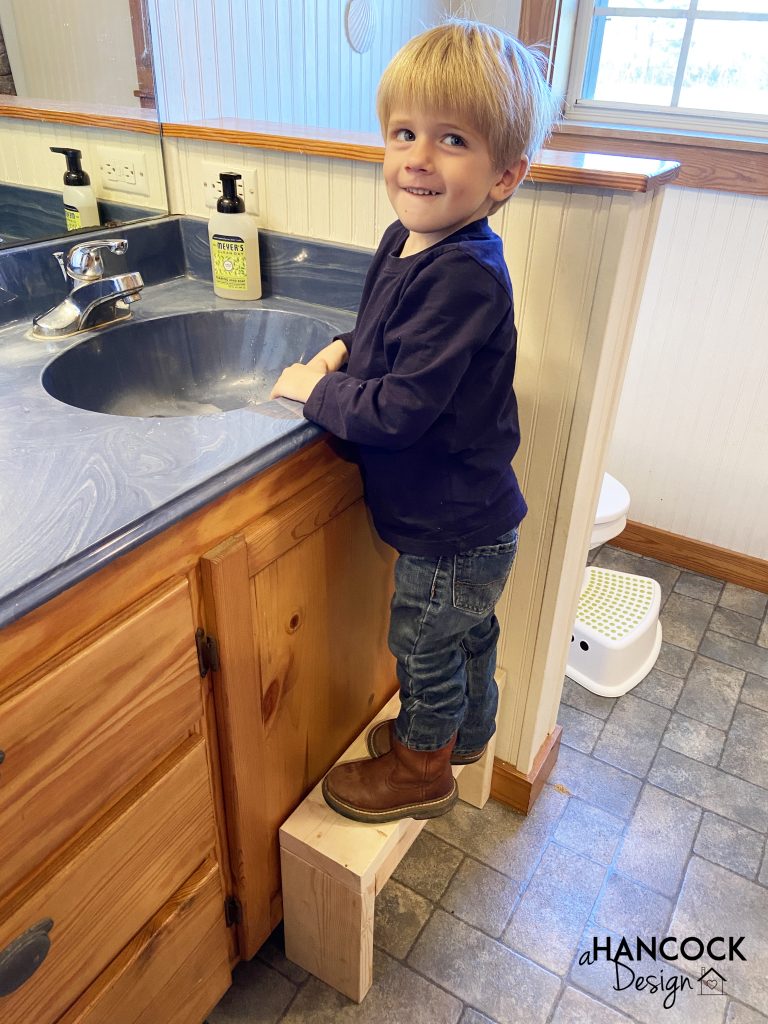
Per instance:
{"type": "Point", "coordinates": [445, 315]}
{"type": "Point", "coordinates": [331, 358]}
{"type": "Point", "coordinates": [297, 381]}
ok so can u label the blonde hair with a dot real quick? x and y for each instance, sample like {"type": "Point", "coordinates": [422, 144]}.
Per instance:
{"type": "Point", "coordinates": [474, 70]}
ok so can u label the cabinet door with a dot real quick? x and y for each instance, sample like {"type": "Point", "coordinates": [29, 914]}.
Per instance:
{"type": "Point", "coordinates": [109, 882]}
{"type": "Point", "coordinates": [300, 610]}
{"type": "Point", "coordinates": [92, 723]}
{"type": "Point", "coordinates": [174, 970]}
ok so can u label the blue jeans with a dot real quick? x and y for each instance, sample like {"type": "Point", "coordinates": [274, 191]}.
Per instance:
{"type": "Point", "coordinates": [443, 633]}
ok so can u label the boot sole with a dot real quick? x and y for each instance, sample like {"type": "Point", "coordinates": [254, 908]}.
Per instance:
{"type": "Point", "coordinates": [428, 809]}
{"type": "Point", "coordinates": [456, 759]}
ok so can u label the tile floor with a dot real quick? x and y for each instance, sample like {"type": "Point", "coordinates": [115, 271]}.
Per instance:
{"type": "Point", "coordinates": [652, 823]}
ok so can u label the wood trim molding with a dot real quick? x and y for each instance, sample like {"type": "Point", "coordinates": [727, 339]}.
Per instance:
{"type": "Point", "coordinates": [518, 791]}
{"type": "Point", "coordinates": [695, 555]}
{"type": "Point", "coordinates": [283, 138]}
{"type": "Point", "coordinates": [551, 167]}
{"type": "Point", "coordinates": [122, 118]}
{"type": "Point", "coordinates": [539, 21]}
{"type": "Point", "coordinates": [142, 49]}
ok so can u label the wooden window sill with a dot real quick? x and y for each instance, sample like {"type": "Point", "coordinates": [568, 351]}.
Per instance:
{"type": "Point", "coordinates": [706, 161]}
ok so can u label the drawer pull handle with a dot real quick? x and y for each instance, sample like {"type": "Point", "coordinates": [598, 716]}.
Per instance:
{"type": "Point", "coordinates": [21, 958]}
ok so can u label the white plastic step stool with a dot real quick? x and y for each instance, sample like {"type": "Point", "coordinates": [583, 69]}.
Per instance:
{"type": "Point", "coordinates": [617, 633]}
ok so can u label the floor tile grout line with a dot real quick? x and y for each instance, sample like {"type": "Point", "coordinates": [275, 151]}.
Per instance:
{"type": "Point", "coordinates": [299, 988]}
{"type": "Point", "coordinates": [438, 903]}
{"type": "Point", "coordinates": [590, 995]}
{"type": "Point", "coordinates": [406, 962]}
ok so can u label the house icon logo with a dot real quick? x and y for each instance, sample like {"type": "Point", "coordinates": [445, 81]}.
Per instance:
{"type": "Point", "coordinates": [711, 982]}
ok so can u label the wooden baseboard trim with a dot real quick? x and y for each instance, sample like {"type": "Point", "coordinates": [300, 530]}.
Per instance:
{"type": "Point", "coordinates": [519, 791]}
{"type": "Point", "coordinates": [695, 555]}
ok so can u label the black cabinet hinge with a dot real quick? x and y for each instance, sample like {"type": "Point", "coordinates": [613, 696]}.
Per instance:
{"type": "Point", "coordinates": [207, 652]}
{"type": "Point", "coordinates": [233, 911]}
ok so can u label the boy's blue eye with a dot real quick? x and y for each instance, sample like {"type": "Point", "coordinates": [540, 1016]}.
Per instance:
{"type": "Point", "coordinates": [404, 135]}
{"type": "Point", "coordinates": [455, 140]}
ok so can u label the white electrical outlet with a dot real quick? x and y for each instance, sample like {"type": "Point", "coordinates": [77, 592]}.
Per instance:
{"type": "Point", "coordinates": [210, 184]}
{"type": "Point", "coordinates": [123, 170]}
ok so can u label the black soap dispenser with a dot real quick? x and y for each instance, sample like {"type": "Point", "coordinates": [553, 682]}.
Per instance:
{"type": "Point", "coordinates": [80, 207]}
{"type": "Point", "coordinates": [234, 240]}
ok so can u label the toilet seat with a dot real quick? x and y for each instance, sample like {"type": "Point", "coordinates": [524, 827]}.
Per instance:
{"type": "Point", "coordinates": [612, 508]}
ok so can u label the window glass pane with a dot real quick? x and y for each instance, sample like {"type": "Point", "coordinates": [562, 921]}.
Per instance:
{"type": "Point", "coordinates": [638, 60]}
{"type": "Point", "coordinates": [735, 6]}
{"type": "Point", "coordinates": [727, 67]}
{"type": "Point", "coordinates": [649, 5]}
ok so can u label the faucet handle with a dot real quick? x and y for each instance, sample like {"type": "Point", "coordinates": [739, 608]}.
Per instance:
{"type": "Point", "coordinates": [84, 260]}
{"type": "Point", "coordinates": [59, 257]}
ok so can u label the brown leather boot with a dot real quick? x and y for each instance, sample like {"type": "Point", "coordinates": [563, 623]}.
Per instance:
{"type": "Point", "coordinates": [379, 741]}
{"type": "Point", "coordinates": [402, 783]}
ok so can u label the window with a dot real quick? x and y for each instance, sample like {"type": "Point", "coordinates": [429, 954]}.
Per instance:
{"type": "Point", "coordinates": [684, 63]}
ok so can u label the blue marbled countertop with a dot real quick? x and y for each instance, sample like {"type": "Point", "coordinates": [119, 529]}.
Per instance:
{"type": "Point", "coordinates": [79, 488]}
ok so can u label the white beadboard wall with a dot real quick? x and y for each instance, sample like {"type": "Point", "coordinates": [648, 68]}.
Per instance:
{"type": "Point", "coordinates": [318, 197]}
{"type": "Point", "coordinates": [691, 436]}
{"type": "Point", "coordinates": [287, 61]}
{"type": "Point", "coordinates": [276, 60]}
{"type": "Point", "coordinates": [26, 159]}
{"type": "Point", "coordinates": [75, 52]}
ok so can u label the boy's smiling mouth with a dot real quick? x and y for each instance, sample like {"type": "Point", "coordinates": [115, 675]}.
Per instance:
{"type": "Point", "coordinates": [412, 190]}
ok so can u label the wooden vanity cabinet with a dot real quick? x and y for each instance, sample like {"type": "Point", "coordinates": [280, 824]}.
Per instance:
{"type": "Point", "coordinates": [140, 800]}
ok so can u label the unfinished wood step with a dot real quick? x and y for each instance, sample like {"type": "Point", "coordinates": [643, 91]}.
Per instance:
{"type": "Point", "coordinates": [332, 868]}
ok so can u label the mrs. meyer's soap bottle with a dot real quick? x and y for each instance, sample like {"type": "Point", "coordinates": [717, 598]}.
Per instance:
{"type": "Point", "coordinates": [80, 207]}
{"type": "Point", "coordinates": [234, 239]}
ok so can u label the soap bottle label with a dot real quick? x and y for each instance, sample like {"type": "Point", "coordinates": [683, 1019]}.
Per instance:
{"type": "Point", "coordinates": [73, 217]}
{"type": "Point", "coordinates": [229, 262]}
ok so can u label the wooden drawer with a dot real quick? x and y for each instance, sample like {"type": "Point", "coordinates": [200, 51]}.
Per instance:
{"type": "Point", "coordinates": [92, 724]}
{"type": "Point", "coordinates": [110, 881]}
{"type": "Point", "coordinates": [174, 970]}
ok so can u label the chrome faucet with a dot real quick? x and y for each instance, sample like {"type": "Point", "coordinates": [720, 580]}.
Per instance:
{"type": "Point", "coordinates": [95, 300]}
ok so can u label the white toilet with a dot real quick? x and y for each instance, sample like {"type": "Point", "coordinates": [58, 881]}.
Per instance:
{"type": "Point", "coordinates": [612, 508]}
{"type": "Point", "coordinates": [617, 634]}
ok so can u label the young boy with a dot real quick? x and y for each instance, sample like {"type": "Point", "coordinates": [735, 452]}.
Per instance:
{"type": "Point", "coordinates": [427, 397]}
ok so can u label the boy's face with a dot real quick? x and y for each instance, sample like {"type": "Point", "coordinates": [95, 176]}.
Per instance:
{"type": "Point", "coordinates": [439, 175]}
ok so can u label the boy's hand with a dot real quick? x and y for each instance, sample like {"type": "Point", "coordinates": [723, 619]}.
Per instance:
{"type": "Point", "coordinates": [297, 382]}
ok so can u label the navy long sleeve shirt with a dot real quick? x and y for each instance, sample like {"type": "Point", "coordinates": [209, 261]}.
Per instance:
{"type": "Point", "coordinates": [427, 394]}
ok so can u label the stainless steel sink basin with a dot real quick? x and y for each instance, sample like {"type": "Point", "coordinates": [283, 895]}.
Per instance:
{"type": "Point", "coordinates": [189, 364]}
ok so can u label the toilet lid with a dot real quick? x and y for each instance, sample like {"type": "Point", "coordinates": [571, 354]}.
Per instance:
{"type": "Point", "coordinates": [613, 501]}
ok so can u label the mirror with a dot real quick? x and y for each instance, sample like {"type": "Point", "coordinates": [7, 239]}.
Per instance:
{"type": "Point", "coordinates": [76, 76]}
{"type": "Point", "coordinates": [305, 63]}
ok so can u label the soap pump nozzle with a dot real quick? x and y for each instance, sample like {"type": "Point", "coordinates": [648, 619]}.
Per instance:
{"type": "Point", "coordinates": [229, 201]}
{"type": "Point", "coordinates": [74, 174]}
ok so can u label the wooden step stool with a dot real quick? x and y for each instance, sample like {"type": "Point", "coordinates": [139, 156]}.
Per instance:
{"type": "Point", "coordinates": [332, 868]}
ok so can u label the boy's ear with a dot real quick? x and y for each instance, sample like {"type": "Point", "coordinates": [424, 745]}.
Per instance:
{"type": "Point", "coordinates": [509, 180]}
